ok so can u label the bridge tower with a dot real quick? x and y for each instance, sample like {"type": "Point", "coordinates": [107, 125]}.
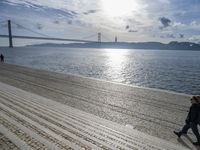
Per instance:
{"type": "Point", "coordinates": [99, 37]}
{"type": "Point", "coordinates": [115, 39]}
{"type": "Point", "coordinates": [10, 34]}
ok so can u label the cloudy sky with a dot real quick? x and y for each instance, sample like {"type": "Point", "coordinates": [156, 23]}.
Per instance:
{"type": "Point", "coordinates": [129, 20]}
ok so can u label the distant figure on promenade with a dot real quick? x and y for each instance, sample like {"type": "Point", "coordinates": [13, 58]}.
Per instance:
{"type": "Point", "coordinates": [2, 58]}
{"type": "Point", "coordinates": [192, 120]}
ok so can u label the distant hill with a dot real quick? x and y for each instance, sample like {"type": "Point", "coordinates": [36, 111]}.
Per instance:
{"type": "Point", "coordinates": [174, 45]}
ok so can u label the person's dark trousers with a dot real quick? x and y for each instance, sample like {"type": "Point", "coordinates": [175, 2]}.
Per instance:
{"type": "Point", "coordinates": [194, 128]}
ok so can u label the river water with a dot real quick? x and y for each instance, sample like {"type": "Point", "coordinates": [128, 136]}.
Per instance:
{"type": "Point", "coordinates": [162, 69]}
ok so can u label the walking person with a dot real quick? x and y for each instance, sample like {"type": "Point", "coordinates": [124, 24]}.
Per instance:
{"type": "Point", "coordinates": [192, 120]}
{"type": "Point", "coordinates": [2, 58]}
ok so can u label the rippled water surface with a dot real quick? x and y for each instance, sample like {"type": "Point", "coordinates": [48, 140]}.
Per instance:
{"type": "Point", "coordinates": [163, 69]}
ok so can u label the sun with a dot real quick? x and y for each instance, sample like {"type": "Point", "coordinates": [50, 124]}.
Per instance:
{"type": "Point", "coordinates": [119, 8]}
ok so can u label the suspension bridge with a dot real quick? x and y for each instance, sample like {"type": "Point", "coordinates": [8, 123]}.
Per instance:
{"type": "Point", "coordinates": [10, 36]}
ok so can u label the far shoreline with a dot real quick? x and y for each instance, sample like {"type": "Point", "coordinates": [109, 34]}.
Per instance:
{"type": "Point", "coordinates": [6, 47]}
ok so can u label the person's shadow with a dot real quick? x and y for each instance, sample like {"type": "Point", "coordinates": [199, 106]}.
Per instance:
{"type": "Point", "coordinates": [186, 141]}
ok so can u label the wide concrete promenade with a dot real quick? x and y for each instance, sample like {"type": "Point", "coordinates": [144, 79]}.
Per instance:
{"type": "Point", "coordinates": [29, 121]}
{"type": "Point", "coordinates": [82, 112]}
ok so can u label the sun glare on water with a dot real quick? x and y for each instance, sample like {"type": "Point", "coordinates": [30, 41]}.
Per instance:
{"type": "Point", "coordinates": [119, 8]}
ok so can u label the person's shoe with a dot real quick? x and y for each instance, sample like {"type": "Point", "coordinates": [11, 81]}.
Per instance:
{"type": "Point", "coordinates": [196, 143]}
{"type": "Point", "coordinates": [177, 133]}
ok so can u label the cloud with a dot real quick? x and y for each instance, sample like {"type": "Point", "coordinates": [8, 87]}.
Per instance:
{"type": "Point", "coordinates": [181, 35]}
{"type": "Point", "coordinates": [165, 22]}
{"type": "Point", "coordinates": [195, 38]}
{"type": "Point", "coordinates": [195, 25]}
{"type": "Point", "coordinates": [178, 19]}
{"type": "Point", "coordinates": [90, 12]}
{"type": "Point", "coordinates": [127, 27]}
{"type": "Point", "coordinates": [56, 22]}
{"type": "Point", "coordinates": [169, 35]}
{"type": "Point", "coordinates": [39, 26]}
{"type": "Point", "coordinates": [178, 25]}
{"type": "Point", "coordinates": [43, 8]}
{"type": "Point", "coordinates": [4, 25]}
{"type": "Point", "coordinates": [165, 1]}
{"type": "Point", "coordinates": [132, 30]}
{"type": "Point", "coordinates": [18, 26]}
{"type": "Point", "coordinates": [69, 21]}
{"type": "Point", "coordinates": [173, 36]}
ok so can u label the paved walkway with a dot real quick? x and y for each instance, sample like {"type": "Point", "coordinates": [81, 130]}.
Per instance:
{"type": "Point", "coordinates": [151, 111]}
{"type": "Point", "coordinates": [29, 121]}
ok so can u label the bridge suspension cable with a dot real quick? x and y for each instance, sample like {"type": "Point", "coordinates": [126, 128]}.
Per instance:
{"type": "Point", "coordinates": [94, 35]}
{"type": "Point", "coordinates": [44, 37]}
{"type": "Point", "coordinates": [30, 30]}
{"type": "Point", "coordinates": [108, 39]}
{"type": "Point", "coordinates": [3, 24]}
{"type": "Point", "coordinates": [90, 36]}
{"type": "Point", "coordinates": [5, 21]}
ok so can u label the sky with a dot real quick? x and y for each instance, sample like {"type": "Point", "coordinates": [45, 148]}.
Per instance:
{"type": "Point", "coordinates": [129, 20]}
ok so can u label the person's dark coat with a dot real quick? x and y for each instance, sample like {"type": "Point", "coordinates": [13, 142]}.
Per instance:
{"type": "Point", "coordinates": [193, 115]}
{"type": "Point", "coordinates": [2, 58]}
